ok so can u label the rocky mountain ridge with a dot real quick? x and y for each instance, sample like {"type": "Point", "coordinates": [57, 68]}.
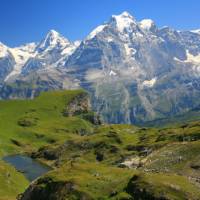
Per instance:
{"type": "Point", "coordinates": [134, 71]}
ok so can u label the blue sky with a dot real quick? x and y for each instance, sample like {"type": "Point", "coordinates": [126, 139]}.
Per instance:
{"type": "Point", "coordinates": [25, 21]}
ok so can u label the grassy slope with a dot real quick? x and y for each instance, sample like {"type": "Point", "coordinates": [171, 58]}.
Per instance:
{"type": "Point", "coordinates": [11, 182]}
{"type": "Point", "coordinates": [46, 113]}
{"type": "Point", "coordinates": [163, 174]}
{"type": "Point", "coordinates": [97, 180]}
{"type": "Point", "coordinates": [49, 130]}
{"type": "Point", "coordinates": [162, 186]}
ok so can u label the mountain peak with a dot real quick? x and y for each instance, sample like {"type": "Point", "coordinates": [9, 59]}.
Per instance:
{"type": "Point", "coordinates": [123, 21]}
{"type": "Point", "coordinates": [147, 24]}
{"type": "Point", "coordinates": [53, 39]}
{"type": "Point", "coordinates": [124, 14]}
{"type": "Point", "coordinates": [52, 31]}
{"type": "Point", "coordinates": [53, 34]}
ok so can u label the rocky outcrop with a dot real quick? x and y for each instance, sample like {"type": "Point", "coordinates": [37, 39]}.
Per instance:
{"type": "Point", "coordinates": [48, 189]}
{"type": "Point", "coordinates": [78, 105]}
{"type": "Point", "coordinates": [141, 193]}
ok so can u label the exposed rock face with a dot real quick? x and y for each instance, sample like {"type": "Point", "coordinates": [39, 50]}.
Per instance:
{"type": "Point", "coordinates": [48, 189]}
{"type": "Point", "coordinates": [80, 104]}
{"type": "Point", "coordinates": [131, 162]}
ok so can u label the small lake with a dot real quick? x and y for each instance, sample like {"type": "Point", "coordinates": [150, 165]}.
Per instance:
{"type": "Point", "coordinates": [31, 168]}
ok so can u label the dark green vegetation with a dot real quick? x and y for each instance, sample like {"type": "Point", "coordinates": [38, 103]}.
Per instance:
{"type": "Point", "coordinates": [92, 160]}
{"type": "Point", "coordinates": [192, 115]}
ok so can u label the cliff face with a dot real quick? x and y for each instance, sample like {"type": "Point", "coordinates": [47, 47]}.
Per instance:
{"type": "Point", "coordinates": [78, 105]}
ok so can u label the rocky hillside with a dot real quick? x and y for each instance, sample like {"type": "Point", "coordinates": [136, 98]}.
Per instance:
{"type": "Point", "coordinates": [135, 71]}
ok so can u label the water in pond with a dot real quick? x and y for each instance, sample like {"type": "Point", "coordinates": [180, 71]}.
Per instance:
{"type": "Point", "coordinates": [31, 168]}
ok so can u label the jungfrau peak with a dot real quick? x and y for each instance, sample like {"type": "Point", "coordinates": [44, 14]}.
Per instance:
{"type": "Point", "coordinates": [134, 71]}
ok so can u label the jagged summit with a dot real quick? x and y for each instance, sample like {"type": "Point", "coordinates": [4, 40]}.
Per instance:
{"type": "Point", "coordinates": [29, 47]}
{"type": "Point", "coordinates": [53, 39]}
{"type": "Point", "coordinates": [147, 24]}
{"type": "Point", "coordinates": [123, 21]}
{"type": "Point", "coordinates": [120, 21]}
{"type": "Point", "coordinates": [53, 32]}
{"type": "Point", "coordinates": [124, 14]}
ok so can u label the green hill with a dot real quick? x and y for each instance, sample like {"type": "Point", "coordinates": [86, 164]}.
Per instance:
{"type": "Point", "coordinates": [27, 125]}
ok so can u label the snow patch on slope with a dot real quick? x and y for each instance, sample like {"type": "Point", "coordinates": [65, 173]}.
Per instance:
{"type": "Point", "coordinates": [149, 83]}
{"type": "Point", "coordinates": [196, 31]}
{"type": "Point", "coordinates": [21, 56]}
{"type": "Point", "coordinates": [68, 50]}
{"type": "Point", "coordinates": [195, 59]}
{"type": "Point", "coordinates": [192, 58]}
{"type": "Point", "coordinates": [129, 51]}
{"type": "Point", "coordinates": [112, 73]}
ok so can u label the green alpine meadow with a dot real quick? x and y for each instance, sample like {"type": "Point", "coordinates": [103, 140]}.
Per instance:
{"type": "Point", "coordinates": [89, 159]}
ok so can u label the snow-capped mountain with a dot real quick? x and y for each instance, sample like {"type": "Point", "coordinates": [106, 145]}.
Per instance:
{"type": "Point", "coordinates": [53, 40]}
{"type": "Point", "coordinates": [38, 56]}
{"type": "Point", "coordinates": [21, 55]}
{"type": "Point", "coordinates": [134, 71]}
